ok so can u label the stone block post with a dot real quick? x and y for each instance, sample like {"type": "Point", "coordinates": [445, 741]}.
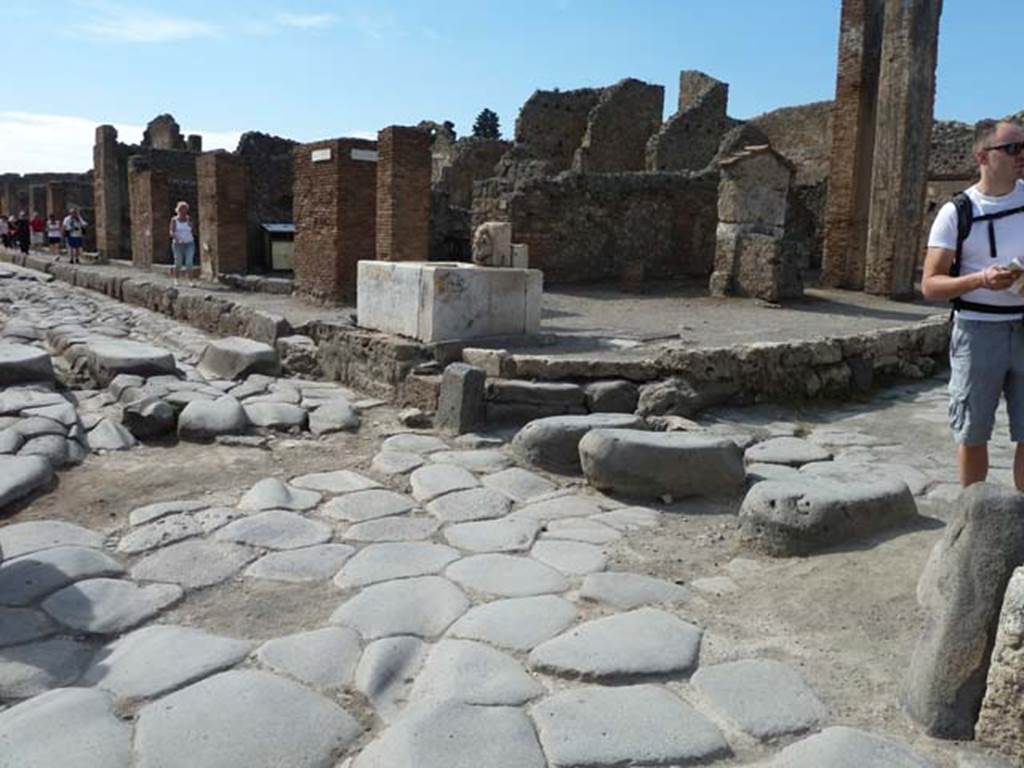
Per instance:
{"type": "Point", "coordinates": [149, 196]}
{"type": "Point", "coordinates": [222, 183]}
{"type": "Point", "coordinates": [403, 194]}
{"type": "Point", "coordinates": [109, 196]}
{"type": "Point", "coordinates": [37, 199]}
{"type": "Point", "coordinates": [56, 200]}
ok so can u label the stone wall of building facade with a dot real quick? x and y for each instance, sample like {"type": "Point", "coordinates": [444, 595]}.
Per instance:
{"type": "Point", "coordinates": [689, 140]}
{"type": "Point", "coordinates": [403, 194]}
{"type": "Point", "coordinates": [335, 208]}
{"type": "Point", "coordinates": [619, 127]}
{"type": "Point", "coordinates": [269, 162]}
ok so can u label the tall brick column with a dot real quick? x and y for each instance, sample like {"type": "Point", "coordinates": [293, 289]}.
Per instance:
{"type": "Point", "coordinates": [109, 195]}
{"type": "Point", "coordinates": [223, 243]}
{"type": "Point", "coordinates": [335, 212]}
{"type": "Point", "coordinates": [403, 194]}
{"type": "Point", "coordinates": [853, 144]}
{"type": "Point", "coordinates": [903, 129]}
{"type": "Point", "coordinates": [149, 194]}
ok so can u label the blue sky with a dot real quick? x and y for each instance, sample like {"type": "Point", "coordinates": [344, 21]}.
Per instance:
{"type": "Point", "coordinates": [313, 69]}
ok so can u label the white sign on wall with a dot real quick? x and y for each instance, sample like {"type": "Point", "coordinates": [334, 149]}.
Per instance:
{"type": "Point", "coordinates": [320, 155]}
{"type": "Point", "coordinates": [365, 154]}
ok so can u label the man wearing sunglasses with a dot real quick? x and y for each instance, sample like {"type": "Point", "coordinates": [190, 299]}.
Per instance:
{"type": "Point", "coordinates": [986, 348]}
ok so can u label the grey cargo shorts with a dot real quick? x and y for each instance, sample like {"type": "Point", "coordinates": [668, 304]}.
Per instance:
{"type": "Point", "coordinates": [986, 359]}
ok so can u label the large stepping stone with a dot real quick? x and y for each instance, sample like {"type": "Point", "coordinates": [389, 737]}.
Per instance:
{"type": "Point", "coordinates": [337, 482]}
{"type": "Point", "coordinates": [70, 728]}
{"type": "Point", "coordinates": [558, 507]}
{"type": "Point", "coordinates": [402, 528]}
{"type": "Point", "coordinates": [473, 673]}
{"type": "Point", "coordinates": [519, 484]}
{"type": "Point", "coordinates": [383, 562]}
{"type": "Point", "coordinates": [646, 641]}
{"type": "Point", "coordinates": [425, 607]}
{"type": "Point", "coordinates": [22, 625]}
{"type": "Point", "coordinates": [571, 557]}
{"type": "Point", "coordinates": [193, 564]}
{"type": "Point", "coordinates": [518, 623]}
{"type": "Point", "coordinates": [28, 670]}
{"type": "Point", "coordinates": [21, 363]}
{"type": "Point", "coordinates": [243, 719]}
{"type": "Point", "coordinates": [386, 672]}
{"type": "Point", "coordinates": [334, 416]}
{"type": "Point", "coordinates": [632, 725]}
{"type": "Point", "coordinates": [581, 529]}
{"type": "Point", "coordinates": [271, 493]}
{"type": "Point", "coordinates": [506, 576]}
{"type": "Point", "coordinates": [20, 476]}
{"type": "Point", "coordinates": [109, 606]}
{"type": "Point", "coordinates": [764, 698]}
{"type": "Point", "coordinates": [107, 359]}
{"type": "Point", "coordinates": [108, 435]}
{"type": "Point", "coordinates": [26, 579]}
{"type": "Point", "coordinates": [277, 416]}
{"type": "Point", "coordinates": [493, 535]}
{"type": "Point", "coordinates": [435, 480]}
{"type": "Point", "coordinates": [625, 591]}
{"type": "Point", "coordinates": [317, 563]}
{"type": "Point", "coordinates": [235, 357]}
{"type": "Point", "coordinates": [450, 734]}
{"type": "Point", "coordinates": [322, 658]}
{"type": "Point", "coordinates": [367, 505]}
{"type": "Point", "coordinates": [842, 747]}
{"type": "Point", "coordinates": [791, 451]}
{"type": "Point", "coordinates": [159, 533]}
{"type": "Point", "coordinates": [650, 465]}
{"type": "Point", "coordinates": [411, 442]}
{"type": "Point", "coordinates": [207, 419]}
{"type": "Point", "coordinates": [552, 443]}
{"type": "Point", "coordinates": [784, 518]}
{"type": "Point", "coordinates": [471, 504]}
{"type": "Point", "coordinates": [156, 659]}
{"type": "Point", "coordinates": [22, 538]}
{"type": "Point", "coordinates": [275, 529]}
{"type": "Point", "coordinates": [484, 460]}
{"type": "Point", "coordinates": [148, 417]}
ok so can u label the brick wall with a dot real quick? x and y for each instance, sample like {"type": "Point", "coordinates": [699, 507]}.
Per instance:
{"type": "Point", "coordinates": [269, 162]}
{"type": "Point", "coordinates": [335, 209]}
{"type": "Point", "coordinates": [403, 194]}
{"type": "Point", "coordinates": [223, 246]}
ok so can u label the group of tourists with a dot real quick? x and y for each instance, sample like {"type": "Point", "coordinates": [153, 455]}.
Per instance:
{"type": "Point", "coordinates": [23, 233]}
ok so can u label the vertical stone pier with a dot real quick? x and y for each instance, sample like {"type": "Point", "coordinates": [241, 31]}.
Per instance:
{"type": "Point", "coordinates": [151, 214]}
{"type": "Point", "coordinates": [109, 196]}
{"type": "Point", "coordinates": [403, 194]}
{"type": "Point", "coordinates": [223, 247]}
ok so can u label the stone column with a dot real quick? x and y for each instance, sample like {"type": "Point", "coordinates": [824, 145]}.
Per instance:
{"type": "Point", "coordinates": [223, 208]}
{"type": "Point", "coordinates": [335, 210]}
{"type": "Point", "coordinates": [903, 129]}
{"type": "Point", "coordinates": [403, 194]}
{"type": "Point", "coordinates": [150, 201]}
{"type": "Point", "coordinates": [56, 200]}
{"type": "Point", "coordinates": [37, 199]}
{"type": "Point", "coordinates": [853, 143]}
{"type": "Point", "coordinates": [108, 195]}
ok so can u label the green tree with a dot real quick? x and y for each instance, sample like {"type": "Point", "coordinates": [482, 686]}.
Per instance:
{"type": "Point", "coordinates": [486, 125]}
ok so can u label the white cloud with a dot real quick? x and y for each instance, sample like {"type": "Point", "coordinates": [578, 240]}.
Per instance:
{"type": "Point", "coordinates": [118, 23]}
{"type": "Point", "coordinates": [34, 143]}
{"type": "Point", "coordinates": [307, 20]}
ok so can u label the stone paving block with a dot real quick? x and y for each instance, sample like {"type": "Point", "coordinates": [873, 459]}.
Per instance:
{"type": "Point", "coordinates": [16, 399]}
{"type": "Point", "coordinates": [32, 536]}
{"type": "Point", "coordinates": [506, 576]}
{"type": "Point", "coordinates": [472, 504]}
{"type": "Point", "coordinates": [629, 518]}
{"type": "Point", "coordinates": [425, 607]}
{"type": "Point", "coordinates": [484, 460]}
{"type": "Point", "coordinates": [277, 416]}
{"type": "Point", "coordinates": [647, 641]}
{"type": "Point", "coordinates": [109, 606]}
{"type": "Point", "coordinates": [21, 363]}
{"type": "Point", "coordinates": [316, 563]}
{"type": "Point", "coordinates": [20, 476]}
{"type": "Point", "coordinates": [391, 463]}
{"type": "Point", "coordinates": [625, 591]}
{"type": "Point", "coordinates": [474, 673]}
{"type": "Point", "coordinates": [367, 505]}
{"type": "Point", "coordinates": [22, 625]}
{"type": "Point", "coordinates": [207, 419]}
{"type": "Point", "coordinates": [763, 697]}
{"type": "Point", "coordinates": [149, 417]}
{"type": "Point", "coordinates": [194, 563]}
{"type": "Point", "coordinates": [519, 484]}
{"type": "Point", "coordinates": [242, 719]}
{"type": "Point", "coordinates": [434, 480]}
{"type": "Point", "coordinates": [791, 451]}
{"type": "Point", "coordinates": [337, 482]}
{"type": "Point", "coordinates": [151, 512]}
{"type": "Point", "coordinates": [395, 528]}
{"type": "Point", "coordinates": [235, 357]}
{"type": "Point", "coordinates": [159, 658]}
{"type": "Point", "coordinates": [493, 535]}
{"type": "Point", "coordinates": [559, 507]}
{"type": "Point", "coordinates": [866, 471]}
{"type": "Point", "coordinates": [10, 440]}
{"type": "Point", "coordinates": [411, 442]}
{"type": "Point", "coordinates": [450, 734]}
{"type": "Point", "coordinates": [70, 728]}
{"type": "Point", "coordinates": [322, 658]}
{"type": "Point", "coordinates": [108, 435]}
{"type": "Point", "coordinates": [109, 358]}
{"type": "Point", "coordinates": [25, 579]}
{"type": "Point", "coordinates": [571, 557]}
{"type": "Point", "coordinates": [641, 725]}
{"type": "Point", "coordinates": [386, 672]}
{"type": "Point", "coordinates": [552, 443]}
{"type": "Point", "coordinates": [30, 669]}
{"type": "Point", "coordinates": [52, 448]}
{"type": "Point", "coordinates": [37, 426]}
{"type": "Point", "coordinates": [271, 493]}
{"type": "Point", "coordinates": [580, 529]}
{"type": "Point", "coordinates": [519, 623]}
{"type": "Point", "coordinates": [159, 533]}
{"type": "Point", "coordinates": [63, 413]}
{"type": "Point", "coordinates": [383, 562]}
{"type": "Point", "coordinates": [332, 416]}
{"type": "Point", "coordinates": [275, 529]}
{"type": "Point", "coordinates": [842, 747]}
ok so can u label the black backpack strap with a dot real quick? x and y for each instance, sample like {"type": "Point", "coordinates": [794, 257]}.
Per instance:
{"type": "Point", "coordinates": [964, 220]}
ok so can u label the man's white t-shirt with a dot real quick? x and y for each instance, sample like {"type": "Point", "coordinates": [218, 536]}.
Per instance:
{"type": "Point", "coordinates": [977, 254]}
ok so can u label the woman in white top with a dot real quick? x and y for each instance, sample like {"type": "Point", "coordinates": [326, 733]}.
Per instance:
{"type": "Point", "coordinates": [53, 235]}
{"type": "Point", "coordinates": [182, 241]}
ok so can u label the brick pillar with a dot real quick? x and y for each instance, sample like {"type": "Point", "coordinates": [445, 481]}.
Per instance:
{"type": "Point", "coordinates": [903, 130]}
{"type": "Point", "coordinates": [109, 196]}
{"type": "Point", "coordinates": [853, 144]}
{"type": "Point", "coordinates": [335, 211]}
{"type": "Point", "coordinates": [403, 194]}
{"type": "Point", "coordinates": [223, 243]}
{"type": "Point", "coordinates": [149, 195]}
